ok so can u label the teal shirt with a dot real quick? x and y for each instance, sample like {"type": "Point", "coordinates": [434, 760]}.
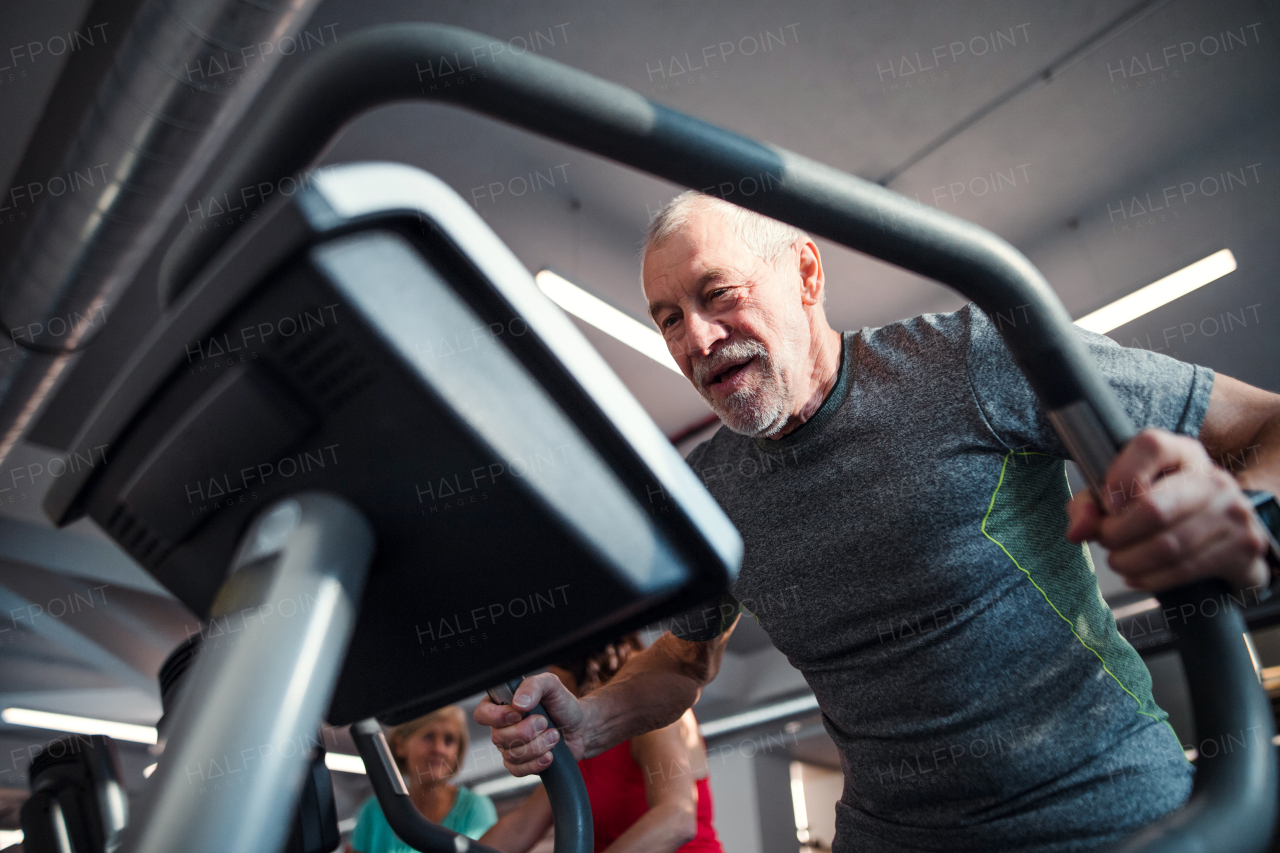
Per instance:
{"type": "Point", "coordinates": [472, 815]}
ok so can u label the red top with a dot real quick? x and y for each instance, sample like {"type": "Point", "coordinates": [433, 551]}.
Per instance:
{"type": "Point", "coordinates": [615, 785]}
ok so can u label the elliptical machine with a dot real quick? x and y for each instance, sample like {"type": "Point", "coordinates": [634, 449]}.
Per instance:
{"type": "Point", "coordinates": [383, 274]}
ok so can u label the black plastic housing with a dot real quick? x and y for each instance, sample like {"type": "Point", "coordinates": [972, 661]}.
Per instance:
{"type": "Point", "coordinates": [76, 797]}
{"type": "Point", "coordinates": [369, 356]}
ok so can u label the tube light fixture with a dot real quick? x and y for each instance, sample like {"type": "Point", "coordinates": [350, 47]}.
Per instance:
{"type": "Point", "coordinates": [1140, 606]}
{"type": "Point", "coordinates": [344, 762]}
{"type": "Point", "coordinates": [505, 785]}
{"type": "Point", "coordinates": [768, 713]}
{"type": "Point", "coordinates": [78, 725]}
{"type": "Point", "coordinates": [605, 317]}
{"type": "Point", "coordinates": [798, 804]}
{"type": "Point", "coordinates": [1162, 292]}
{"type": "Point", "coordinates": [647, 341]}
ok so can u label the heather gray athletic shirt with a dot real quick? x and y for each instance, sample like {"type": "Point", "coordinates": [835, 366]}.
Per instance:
{"type": "Point", "coordinates": [905, 550]}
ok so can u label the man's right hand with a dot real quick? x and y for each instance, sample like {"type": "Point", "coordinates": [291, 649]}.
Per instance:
{"type": "Point", "coordinates": [526, 742]}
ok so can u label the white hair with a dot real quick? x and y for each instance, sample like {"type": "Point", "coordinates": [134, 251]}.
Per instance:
{"type": "Point", "coordinates": [767, 238]}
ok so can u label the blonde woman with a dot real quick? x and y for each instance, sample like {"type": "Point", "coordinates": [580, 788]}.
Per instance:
{"type": "Point", "coordinates": [428, 751]}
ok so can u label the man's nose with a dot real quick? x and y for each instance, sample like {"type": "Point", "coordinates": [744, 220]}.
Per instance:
{"type": "Point", "coordinates": [700, 334]}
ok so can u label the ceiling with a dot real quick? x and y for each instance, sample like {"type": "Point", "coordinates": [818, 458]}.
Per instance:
{"type": "Point", "coordinates": [1042, 121]}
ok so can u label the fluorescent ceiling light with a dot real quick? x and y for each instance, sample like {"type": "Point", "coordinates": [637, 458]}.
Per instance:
{"type": "Point", "coordinates": [605, 317]}
{"type": "Point", "coordinates": [797, 802]}
{"type": "Point", "coordinates": [1141, 606]}
{"type": "Point", "coordinates": [760, 715]}
{"type": "Point", "coordinates": [1159, 293]}
{"type": "Point", "coordinates": [344, 762]}
{"type": "Point", "coordinates": [643, 339]}
{"type": "Point", "coordinates": [78, 725]}
{"type": "Point", "coordinates": [505, 784]}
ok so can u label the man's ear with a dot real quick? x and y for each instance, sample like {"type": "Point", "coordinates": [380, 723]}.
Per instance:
{"type": "Point", "coordinates": [812, 281]}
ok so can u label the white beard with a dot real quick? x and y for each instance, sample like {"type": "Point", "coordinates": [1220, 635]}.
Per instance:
{"type": "Point", "coordinates": [756, 412]}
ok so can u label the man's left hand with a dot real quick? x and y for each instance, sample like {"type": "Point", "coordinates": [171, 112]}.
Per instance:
{"type": "Point", "coordinates": [1172, 517]}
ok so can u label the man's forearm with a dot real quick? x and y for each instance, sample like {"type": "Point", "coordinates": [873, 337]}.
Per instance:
{"type": "Point", "coordinates": [1241, 430]}
{"type": "Point", "coordinates": [625, 708]}
{"type": "Point", "coordinates": [652, 690]}
{"type": "Point", "coordinates": [1260, 460]}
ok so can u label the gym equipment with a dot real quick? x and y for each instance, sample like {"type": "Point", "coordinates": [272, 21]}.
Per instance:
{"type": "Point", "coordinates": [565, 787]}
{"type": "Point", "coordinates": [315, 819]}
{"type": "Point", "coordinates": [440, 359]}
{"type": "Point", "coordinates": [77, 803]}
{"type": "Point", "coordinates": [355, 372]}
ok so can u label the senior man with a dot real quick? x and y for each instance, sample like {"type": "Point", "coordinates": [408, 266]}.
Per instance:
{"type": "Point", "coordinates": [913, 548]}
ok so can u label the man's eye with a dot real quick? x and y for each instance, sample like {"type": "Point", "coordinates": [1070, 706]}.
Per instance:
{"type": "Point", "coordinates": [719, 291]}
{"type": "Point", "coordinates": [667, 321]}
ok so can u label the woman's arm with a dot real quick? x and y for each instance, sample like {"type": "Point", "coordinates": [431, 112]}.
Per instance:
{"type": "Point", "coordinates": [520, 829]}
{"type": "Point", "coordinates": [671, 821]}
{"type": "Point", "coordinates": [698, 761]}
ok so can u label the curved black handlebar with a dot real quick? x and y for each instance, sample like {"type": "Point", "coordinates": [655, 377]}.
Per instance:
{"type": "Point", "coordinates": [393, 798]}
{"type": "Point", "coordinates": [298, 118]}
{"type": "Point", "coordinates": [570, 806]}
{"type": "Point", "coordinates": [1232, 809]}
{"type": "Point", "coordinates": [1234, 802]}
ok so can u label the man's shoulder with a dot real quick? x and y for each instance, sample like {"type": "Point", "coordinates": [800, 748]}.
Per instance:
{"type": "Point", "coordinates": [926, 327]}
{"type": "Point", "coordinates": [934, 336]}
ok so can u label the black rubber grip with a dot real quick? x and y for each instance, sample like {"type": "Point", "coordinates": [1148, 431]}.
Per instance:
{"type": "Point", "coordinates": [570, 805]}
{"type": "Point", "coordinates": [1233, 804]}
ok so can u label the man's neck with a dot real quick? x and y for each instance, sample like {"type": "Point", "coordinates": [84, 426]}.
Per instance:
{"type": "Point", "coordinates": [825, 369]}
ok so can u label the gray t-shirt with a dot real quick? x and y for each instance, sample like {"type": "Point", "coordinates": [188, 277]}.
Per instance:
{"type": "Point", "coordinates": [905, 551]}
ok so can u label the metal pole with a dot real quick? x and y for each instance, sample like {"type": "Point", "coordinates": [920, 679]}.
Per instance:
{"type": "Point", "coordinates": [304, 110]}
{"type": "Point", "coordinates": [242, 734]}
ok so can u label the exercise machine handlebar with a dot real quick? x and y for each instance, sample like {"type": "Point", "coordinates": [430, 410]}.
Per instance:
{"type": "Point", "coordinates": [299, 116]}
{"type": "Point", "coordinates": [393, 797]}
{"type": "Point", "coordinates": [570, 806]}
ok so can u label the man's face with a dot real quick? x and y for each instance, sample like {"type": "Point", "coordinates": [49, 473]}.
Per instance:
{"type": "Point", "coordinates": [734, 323]}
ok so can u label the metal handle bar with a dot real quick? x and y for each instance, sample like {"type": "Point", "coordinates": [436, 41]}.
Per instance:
{"type": "Point", "coordinates": [298, 118]}
{"type": "Point", "coordinates": [393, 797]}
{"type": "Point", "coordinates": [570, 806]}
{"type": "Point", "coordinates": [571, 809]}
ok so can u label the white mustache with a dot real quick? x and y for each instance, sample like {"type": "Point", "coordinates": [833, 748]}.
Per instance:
{"type": "Point", "coordinates": [735, 351]}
